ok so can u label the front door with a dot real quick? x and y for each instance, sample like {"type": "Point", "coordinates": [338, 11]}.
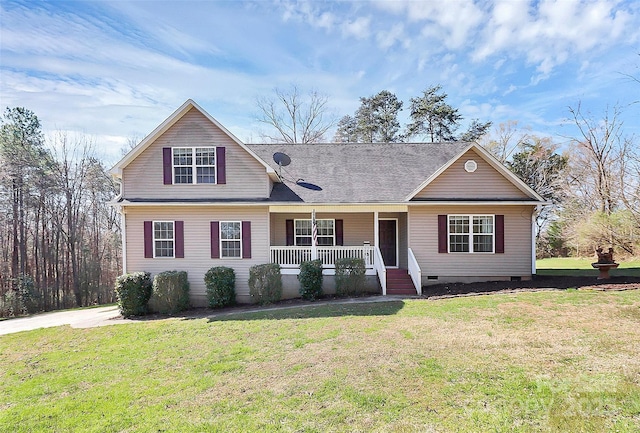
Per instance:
{"type": "Point", "coordinates": [388, 237]}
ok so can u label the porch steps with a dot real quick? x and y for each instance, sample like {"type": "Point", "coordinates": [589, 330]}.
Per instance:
{"type": "Point", "coordinates": [399, 282]}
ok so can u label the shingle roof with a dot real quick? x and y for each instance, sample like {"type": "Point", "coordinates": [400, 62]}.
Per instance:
{"type": "Point", "coordinates": [356, 173]}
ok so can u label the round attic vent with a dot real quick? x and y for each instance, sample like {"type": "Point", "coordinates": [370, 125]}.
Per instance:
{"type": "Point", "coordinates": [470, 166]}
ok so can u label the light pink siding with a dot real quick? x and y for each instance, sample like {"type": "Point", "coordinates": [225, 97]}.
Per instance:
{"type": "Point", "coordinates": [485, 182]}
{"type": "Point", "coordinates": [197, 248]}
{"type": "Point", "coordinates": [246, 177]}
{"type": "Point", "coordinates": [358, 227]}
{"type": "Point", "coordinates": [515, 262]}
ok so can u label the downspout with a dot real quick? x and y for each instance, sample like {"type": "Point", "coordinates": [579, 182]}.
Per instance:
{"type": "Point", "coordinates": [123, 230]}
{"type": "Point", "coordinates": [534, 216]}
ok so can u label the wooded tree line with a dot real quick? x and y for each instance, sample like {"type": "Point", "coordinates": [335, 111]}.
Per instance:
{"type": "Point", "coordinates": [60, 242]}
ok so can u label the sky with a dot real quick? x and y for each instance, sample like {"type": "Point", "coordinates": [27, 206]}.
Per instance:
{"type": "Point", "coordinates": [114, 70]}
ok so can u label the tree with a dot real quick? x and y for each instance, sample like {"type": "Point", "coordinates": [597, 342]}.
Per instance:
{"type": "Point", "coordinates": [295, 118]}
{"type": "Point", "coordinates": [541, 168]}
{"type": "Point", "coordinates": [375, 121]}
{"type": "Point", "coordinates": [603, 183]}
{"type": "Point", "coordinates": [347, 131]}
{"type": "Point", "coordinates": [596, 155]}
{"type": "Point", "coordinates": [505, 139]}
{"type": "Point", "coordinates": [24, 163]}
{"type": "Point", "coordinates": [385, 115]}
{"type": "Point", "coordinates": [432, 116]}
{"type": "Point", "coordinates": [476, 130]}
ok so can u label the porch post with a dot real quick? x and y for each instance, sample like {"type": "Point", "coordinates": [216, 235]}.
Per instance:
{"type": "Point", "coordinates": [376, 229]}
{"type": "Point", "coordinates": [314, 236]}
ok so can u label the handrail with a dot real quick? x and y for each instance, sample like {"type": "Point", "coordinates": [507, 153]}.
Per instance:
{"type": "Point", "coordinates": [414, 271]}
{"type": "Point", "coordinates": [381, 270]}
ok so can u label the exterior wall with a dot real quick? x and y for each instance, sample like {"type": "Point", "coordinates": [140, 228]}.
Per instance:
{"type": "Point", "coordinates": [245, 176]}
{"type": "Point", "coordinates": [466, 267]}
{"type": "Point", "coordinates": [485, 182]}
{"type": "Point", "coordinates": [197, 248]}
{"type": "Point", "coordinates": [358, 227]}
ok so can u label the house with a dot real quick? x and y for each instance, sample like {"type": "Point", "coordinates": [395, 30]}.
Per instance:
{"type": "Point", "coordinates": [193, 196]}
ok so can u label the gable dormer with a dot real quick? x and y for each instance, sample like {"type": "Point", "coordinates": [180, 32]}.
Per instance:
{"type": "Point", "coordinates": [474, 175]}
{"type": "Point", "coordinates": [191, 156]}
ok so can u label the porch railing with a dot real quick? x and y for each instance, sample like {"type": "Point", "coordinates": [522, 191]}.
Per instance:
{"type": "Point", "coordinates": [414, 271]}
{"type": "Point", "coordinates": [291, 257]}
{"type": "Point", "coordinates": [381, 270]}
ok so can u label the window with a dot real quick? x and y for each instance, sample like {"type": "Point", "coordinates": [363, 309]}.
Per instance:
{"type": "Point", "coordinates": [230, 239]}
{"type": "Point", "coordinates": [194, 164]}
{"type": "Point", "coordinates": [163, 239]}
{"type": "Point", "coordinates": [471, 233]}
{"type": "Point", "coordinates": [326, 232]}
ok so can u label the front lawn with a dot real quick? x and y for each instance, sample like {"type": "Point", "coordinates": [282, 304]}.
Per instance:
{"type": "Point", "coordinates": [581, 267]}
{"type": "Point", "coordinates": [528, 362]}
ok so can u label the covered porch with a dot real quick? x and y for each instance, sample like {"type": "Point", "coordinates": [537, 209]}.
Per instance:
{"type": "Point", "coordinates": [377, 237]}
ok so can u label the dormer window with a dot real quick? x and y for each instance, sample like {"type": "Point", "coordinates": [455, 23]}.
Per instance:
{"type": "Point", "coordinates": [194, 165]}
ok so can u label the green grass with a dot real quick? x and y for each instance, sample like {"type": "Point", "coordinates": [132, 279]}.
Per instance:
{"type": "Point", "coordinates": [582, 267]}
{"type": "Point", "coordinates": [528, 362]}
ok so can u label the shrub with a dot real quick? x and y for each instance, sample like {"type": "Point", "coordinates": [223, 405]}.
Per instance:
{"type": "Point", "coordinates": [265, 283]}
{"type": "Point", "coordinates": [350, 276]}
{"type": "Point", "coordinates": [221, 286]}
{"type": "Point", "coordinates": [133, 292]}
{"type": "Point", "coordinates": [170, 292]}
{"type": "Point", "coordinates": [310, 278]}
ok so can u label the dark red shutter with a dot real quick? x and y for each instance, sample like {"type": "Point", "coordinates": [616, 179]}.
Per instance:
{"type": "Point", "coordinates": [339, 232]}
{"type": "Point", "coordinates": [443, 246]}
{"type": "Point", "coordinates": [179, 239]}
{"type": "Point", "coordinates": [215, 239]}
{"type": "Point", "coordinates": [221, 165]}
{"type": "Point", "coordinates": [246, 239]}
{"type": "Point", "coordinates": [499, 234]}
{"type": "Point", "coordinates": [148, 239]}
{"type": "Point", "coordinates": [289, 231]}
{"type": "Point", "coordinates": [166, 166]}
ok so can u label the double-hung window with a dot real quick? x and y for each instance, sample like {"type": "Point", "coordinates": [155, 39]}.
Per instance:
{"type": "Point", "coordinates": [471, 233]}
{"type": "Point", "coordinates": [194, 165]}
{"type": "Point", "coordinates": [163, 239]}
{"type": "Point", "coordinates": [230, 239]}
{"type": "Point", "coordinates": [304, 232]}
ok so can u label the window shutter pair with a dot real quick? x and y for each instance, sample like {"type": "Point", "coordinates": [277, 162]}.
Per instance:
{"type": "Point", "coordinates": [215, 239]}
{"type": "Point", "coordinates": [178, 239]}
{"type": "Point", "coordinates": [339, 228]}
{"type": "Point", "coordinates": [221, 166]}
{"type": "Point", "coordinates": [443, 242]}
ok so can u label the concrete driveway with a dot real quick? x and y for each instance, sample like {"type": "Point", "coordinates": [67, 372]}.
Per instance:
{"type": "Point", "coordinates": [87, 318]}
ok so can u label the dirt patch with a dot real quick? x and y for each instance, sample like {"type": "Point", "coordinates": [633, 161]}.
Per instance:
{"type": "Point", "coordinates": [539, 282]}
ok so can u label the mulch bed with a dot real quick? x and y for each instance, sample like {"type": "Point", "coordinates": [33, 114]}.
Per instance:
{"type": "Point", "coordinates": [538, 282]}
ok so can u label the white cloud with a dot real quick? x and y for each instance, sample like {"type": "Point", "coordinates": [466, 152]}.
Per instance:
{"type": "Point", "coordinates": [452, 23]}
{"type": "Point", "coordinates": [550, 32]}
{"type": "Point", "coordinates": [358, 28]}
{"type": "Point", "coordinates": [388, 38]}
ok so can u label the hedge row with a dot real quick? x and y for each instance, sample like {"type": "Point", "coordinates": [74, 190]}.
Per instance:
{"type": "Point", "coordinates": [168, 293]}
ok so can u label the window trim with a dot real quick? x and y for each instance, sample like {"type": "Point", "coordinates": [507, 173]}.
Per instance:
{"type": "Point", "coordinates": [220, 239]}
{"type": "Point", "coordinates": [471, 233]}
{"type": "Point", "coordinates": [172, 240]}
{"type": "Point", "coordinates": [295, 235]}
{"type": "Point", "coordinates": [194, 166]}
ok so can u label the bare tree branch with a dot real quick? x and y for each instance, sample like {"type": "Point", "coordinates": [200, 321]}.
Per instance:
{"type": "Point", "coordinates": [295, 118]}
